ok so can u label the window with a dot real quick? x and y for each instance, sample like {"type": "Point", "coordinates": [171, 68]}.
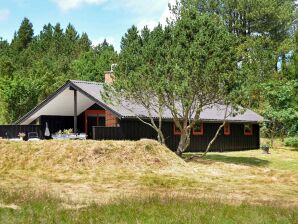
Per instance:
{"type": "Point", "coordinates": [227, 130]}
{"type": "Point", "coordinates": [94, 118]}
{"type": "Point", "coordinates": [248, 129]}
{"type": "Point", "coordinates": [198, 129]}
{"type": "Point", "coordinates": [176, 130]}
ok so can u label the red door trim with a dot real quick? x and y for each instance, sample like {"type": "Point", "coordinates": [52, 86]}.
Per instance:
{"type": "Point", "coordinates": [96, 112]}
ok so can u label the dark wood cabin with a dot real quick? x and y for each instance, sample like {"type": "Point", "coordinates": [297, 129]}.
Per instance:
{"type": "Point", "coordinates": [234, 140]}
{"type": "Point", "coordinates": [79, 105]}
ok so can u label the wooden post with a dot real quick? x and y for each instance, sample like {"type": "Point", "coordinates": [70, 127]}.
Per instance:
{"type": "Point", "coordinates": [75, 116]}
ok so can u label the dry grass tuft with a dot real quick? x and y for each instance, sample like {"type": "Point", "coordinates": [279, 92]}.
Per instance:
{"type": "Point", "coordinates": [11, 206]}
{"type": "Point", "coordinates": [83, 172]}
{"type": "Point", "coordinates": [68, 155]}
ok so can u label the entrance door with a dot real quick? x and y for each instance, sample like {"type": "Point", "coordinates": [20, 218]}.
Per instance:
{"type": "Point", "coordinates": [93, 118]}
{"type": "Point", "coordinates": [91, 121]}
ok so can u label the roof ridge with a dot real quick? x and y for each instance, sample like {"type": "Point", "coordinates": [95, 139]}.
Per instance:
{"type": "Point", "coordinates": [86, 82]}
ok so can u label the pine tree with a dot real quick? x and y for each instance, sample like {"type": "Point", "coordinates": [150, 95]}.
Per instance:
{"type": "Point", "coordinates": [84, 42]}
{"type": "Point", "coordinates": [23, 36]}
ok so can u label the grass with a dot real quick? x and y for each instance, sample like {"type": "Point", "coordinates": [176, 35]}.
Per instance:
{"type": "Point", "coordinates": [281, 158]}
{"type": "Point", "coordinates": [150, 210]}
{"type": "Point", "coordinates": [241, 160]}
{"type": "Point", "coordinates": [144, 182]}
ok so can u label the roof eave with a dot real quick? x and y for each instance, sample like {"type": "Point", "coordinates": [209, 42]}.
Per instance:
{"type": "Point", "coordinates": [43, 103]}
{"type": "Point", "coordinates": [68, 84]}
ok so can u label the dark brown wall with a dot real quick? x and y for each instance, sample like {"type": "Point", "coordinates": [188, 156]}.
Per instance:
{"type": "Point", "coordinates": [108, 133]}
{"type": "Point", "coordinates": [134, 130]}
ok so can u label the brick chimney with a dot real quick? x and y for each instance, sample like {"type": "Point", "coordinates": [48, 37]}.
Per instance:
{"type": "Point", "coordinates": [109, 77]}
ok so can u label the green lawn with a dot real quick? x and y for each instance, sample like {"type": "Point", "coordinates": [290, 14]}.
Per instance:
{"type": "Point", "coordinates": [150, 210]}
{"type": "Point", "coordinates": [279, 158]}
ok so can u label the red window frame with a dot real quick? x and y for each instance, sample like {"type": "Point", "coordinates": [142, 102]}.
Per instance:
{"type": "Point", "coordinates": [176, 130]}
{"type": "Point", "coordinates": [94, 112]}
{"type": "Point", "coordinates": [227, 129]}
{"type": "Point", "coordinates": [201, 132]}
{"type": "Point", "coordinates": [248, 132]}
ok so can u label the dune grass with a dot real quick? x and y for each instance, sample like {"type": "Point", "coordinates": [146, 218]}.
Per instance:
{"type": "Point", "coordinates": [88, 180]}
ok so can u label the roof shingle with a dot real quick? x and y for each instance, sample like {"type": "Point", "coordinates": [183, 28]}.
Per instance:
{"type": "Point", "coordinates": [127, 109]}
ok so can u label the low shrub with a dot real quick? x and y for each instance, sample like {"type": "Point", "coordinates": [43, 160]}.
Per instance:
{"type": "Point", "coordinates": [292, 142]}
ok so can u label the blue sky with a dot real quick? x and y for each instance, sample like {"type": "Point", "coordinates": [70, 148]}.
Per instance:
{"type": "Point", "coordinates": [100, 19]}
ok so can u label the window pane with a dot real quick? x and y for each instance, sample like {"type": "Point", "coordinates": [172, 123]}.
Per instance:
{"type": "Point", "coordinates": [247, 128]}
{"type": "Point", "coordinates": [197, 127]}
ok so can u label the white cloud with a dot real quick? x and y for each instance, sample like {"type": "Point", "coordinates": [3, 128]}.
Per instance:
{"type": "Point", "coordinates": [166, 14]}
{"type": "Point", "coordinates": [4, 14]}
{"type": "Point", "coordinates": [66, 5]}
{"type": "Point", "coordinates": [142, 7]}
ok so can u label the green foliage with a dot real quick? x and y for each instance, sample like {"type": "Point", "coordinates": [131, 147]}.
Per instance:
{"type": "Point", "coordinates": [19, 94]}
{"type": "Point", "coordinates": [92, 64]}
{"type": "Point", "coordinates": [214, 51]}
{"type": "Point", "coordinates": [236, 43]}
{"type": "Point", "coordinates": [33, 67]}
{"type": "Point", "coordinates": [264, 31]}
{"type": "Point", "coordinates": [292, 142]}
{"type": "Point", "coordinates": [179, 67]}
{"type": "Point", "coordinates": [139, 71]}
{"type": "Point", "coordinates": [279, 96]}
{"type": "Point", "coordinates": [281, 105]}
{"type": "Point", "coordinates": [24, 36]}
{"type": "Point", "coordinates": [247, 18]}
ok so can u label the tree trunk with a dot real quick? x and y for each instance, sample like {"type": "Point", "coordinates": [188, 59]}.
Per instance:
{"type": "Point", "coordinates": [215, 136]}
{"type": "Point", "coordinates": [183, 143]}
{"type": "Point", "coordinates": [213, 139]}
{"type": "Point", "coordinates": [160, 137]}
{"type": "Point", "coordinates": [272, 134]}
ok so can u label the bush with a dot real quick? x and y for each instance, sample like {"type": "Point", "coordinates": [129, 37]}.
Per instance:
{"type": "Point", "coordinates": [293, 142]}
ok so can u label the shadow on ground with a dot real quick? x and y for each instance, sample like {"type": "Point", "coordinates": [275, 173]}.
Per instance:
{"type": "Point", "coordinates": [251, 161]}
{"type": "Point", "coordinates": [294, 149]}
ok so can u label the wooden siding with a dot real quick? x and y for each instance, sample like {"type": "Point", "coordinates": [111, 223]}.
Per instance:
{"type": "Point", "coordinates": [12, 131]}
{"type": "Point", "coordinates": [134, 130]}
{"type": "Point", "coordinates": [108, 133]}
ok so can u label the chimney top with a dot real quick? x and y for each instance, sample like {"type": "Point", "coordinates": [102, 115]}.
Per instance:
{"type": "Point", "coordinates": [113, 66]}
{"type": "Point", "coordinates": [109, 77]}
